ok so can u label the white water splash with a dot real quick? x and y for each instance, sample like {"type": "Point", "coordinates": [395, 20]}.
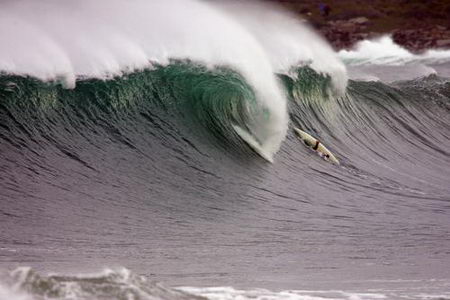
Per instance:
{"type": "Point", "coordinates": [24, 283]}
{"type": "Point", "coordinates": [7, 293]}
{"type": "Point", "coordinates": [229, 293]}
{"type": "Point", "coordinates": [287, 40]}
{"type": "Point", "coordinates": [382, 59]}
{"type": "Point", "coordinates": [383, 51]}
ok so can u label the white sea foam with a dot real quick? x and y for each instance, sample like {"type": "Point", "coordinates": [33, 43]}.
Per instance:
{"type": "Point", "coordinates": [385, 60]}
{"type": "Point", "coordinates": [24, 283]}
{"type": "Point", "coordinates": [11, 290]}
{"type": "Point", "coordinates": [230, 293]}
{"type": "Point", "coordinates": [383, 51]}
{"type": "Point", "coordinates": [7, 293]}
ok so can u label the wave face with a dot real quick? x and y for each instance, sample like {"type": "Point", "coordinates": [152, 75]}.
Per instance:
{"type": "Point", "coordinates": [124, 154]}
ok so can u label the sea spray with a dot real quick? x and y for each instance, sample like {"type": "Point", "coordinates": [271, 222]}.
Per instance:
{"type": "Point", "coordinates": [288, 41]}
{"type": "Point", "coordinates": [383, 51]}
{"type": "Point", "coordinates": [382, 59]}
{"type": "Point", "coordinates": [62, 40]}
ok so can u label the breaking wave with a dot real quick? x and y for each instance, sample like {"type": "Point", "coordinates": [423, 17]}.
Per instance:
{"type": "Point", "coordinates": [382, 59]}
{"type": "Point", "coordinates": [118, 145]}
{"type": "Point", "coordinates": [71, 41]}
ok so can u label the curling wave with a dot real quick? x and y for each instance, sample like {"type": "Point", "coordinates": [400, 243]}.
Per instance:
{"type": "Point", "coordinates": [71, 41]}
{"type": "Point", "coordinates": [139, 164]}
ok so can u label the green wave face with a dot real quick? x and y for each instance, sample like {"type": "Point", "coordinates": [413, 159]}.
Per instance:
{"type": "Point", "coordinates": [189, 96]}
{"type": "Point", "coordinates": [204, 100]}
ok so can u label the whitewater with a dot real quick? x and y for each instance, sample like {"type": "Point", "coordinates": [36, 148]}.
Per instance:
{"type": "Point", "coordinates": [122, 175]}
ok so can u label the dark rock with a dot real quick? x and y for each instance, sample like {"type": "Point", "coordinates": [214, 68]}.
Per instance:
{"type": "Point", "coordinates": [443, 43]}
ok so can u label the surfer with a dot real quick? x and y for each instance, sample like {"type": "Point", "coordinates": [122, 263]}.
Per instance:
{"type": "Point", "coordinates": [316, 145]}
{"type": "Point", "coordinates": [325, 156]}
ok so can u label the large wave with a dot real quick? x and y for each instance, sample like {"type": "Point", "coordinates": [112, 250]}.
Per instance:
{"type": "Point", "coordinates": [61, 40]}
{"type": "Point", "coordinates": [118, 147]}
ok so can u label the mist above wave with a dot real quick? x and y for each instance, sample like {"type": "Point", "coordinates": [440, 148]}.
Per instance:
{"type": "Point", "coordinates": [66, 40]}
{"type": "Point", "coordinates": [63, 40]}
{"type": "Point", "coordinates": [288, 41]}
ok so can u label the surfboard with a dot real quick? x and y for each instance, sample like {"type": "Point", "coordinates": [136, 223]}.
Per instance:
{"type": "Point", "coordinates": [253, 143]}
{"type": "Point", "coordinates": [311, 141]}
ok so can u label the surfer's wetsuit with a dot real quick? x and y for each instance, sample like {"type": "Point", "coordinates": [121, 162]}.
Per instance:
{"type": "Point", "coordinates": [316, 146]}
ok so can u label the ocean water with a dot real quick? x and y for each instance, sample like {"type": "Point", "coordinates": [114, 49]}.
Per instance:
{"type": "Point", "coordinates": [122, 176]}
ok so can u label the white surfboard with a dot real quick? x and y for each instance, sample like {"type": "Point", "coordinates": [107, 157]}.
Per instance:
{"type": "Point", "coordinates": [311, 142]}
{"type": "Point", "coordinates": [253, 143]}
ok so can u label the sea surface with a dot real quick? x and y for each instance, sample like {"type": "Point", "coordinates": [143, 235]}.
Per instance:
{"type": "Point", "coordinates": [122, 175]}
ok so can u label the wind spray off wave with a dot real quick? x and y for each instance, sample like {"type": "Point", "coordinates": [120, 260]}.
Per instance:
{"type": "Point", "coordinates": [288, 41]}
{"type": "Point", "coordinates": [139, 163]}
{"type": "Point", "coordinates": [103, 39]}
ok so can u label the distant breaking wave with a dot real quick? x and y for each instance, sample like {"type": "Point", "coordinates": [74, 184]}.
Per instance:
{"type": "Point", "coordinates": [383, 51]}
{"type": "Point", "coordinates": [382, 59]}
{"type": "Point", "coordinates": [27, 284]}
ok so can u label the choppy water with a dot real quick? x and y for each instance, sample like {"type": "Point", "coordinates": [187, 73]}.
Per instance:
{"type": "Point", "coordinates": [137, 176]}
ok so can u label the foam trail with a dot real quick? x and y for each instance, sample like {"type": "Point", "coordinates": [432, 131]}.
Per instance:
{"type": "Point", "coordinates": [54, 40]}
{"type": "Point", "coordinates": [288, 41]}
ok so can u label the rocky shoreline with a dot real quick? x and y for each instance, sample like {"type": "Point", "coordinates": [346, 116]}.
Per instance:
{"type": "Point", "coordinates": [344, 34]}
{"type": "Point", "coordinates": [413, 24]}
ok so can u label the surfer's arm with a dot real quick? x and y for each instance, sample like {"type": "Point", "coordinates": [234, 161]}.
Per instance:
{"type": "Point", "coordinates": [316, 146]}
